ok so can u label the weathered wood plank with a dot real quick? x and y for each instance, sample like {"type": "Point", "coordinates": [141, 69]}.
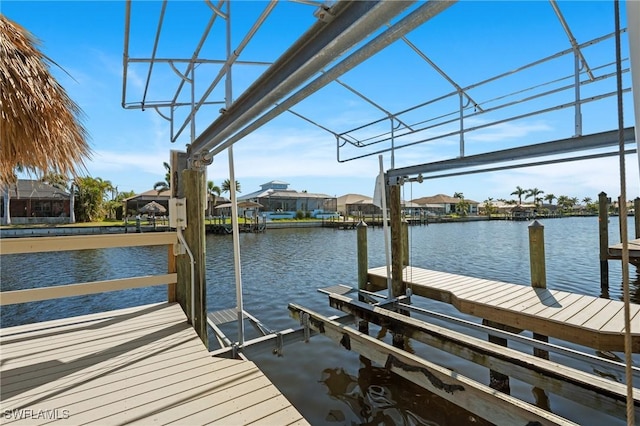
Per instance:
{"type": "Point", "coordinates": [119, 367]}
{"type": "Point", "coordinates": [286, 416]}
{"type": "Point", "coordinates": [576, 318]}
{"type": "Point", "coordinates": [69, 322]}
{"type": "Point", "coordinates": [502, 297]}
{"type": "Point", "coordinates": [539, 298]}
{"type": "Point", "coordinates": [597, 321]}
{"type": "Point", "coordinates": [561, 298]}
{"type": "Point", "coordinates": [576, 385]}
{"type": "Point", "coordinates": [84, 242]}
{"type": "Point", "coordinates": [481, 288]}
{"type": "Point", "coordinates": [476, 398]}
{"type": "Point", "coordinates": [633, 245]}
{"type": "Point", "coordinates": [551, 312]}
{"type": "Point", "coordinates": [616, 324]}
{"type": "Point", "coordinates": [60, 291]}
{"type": "Point", "coordinates": [585, 314]}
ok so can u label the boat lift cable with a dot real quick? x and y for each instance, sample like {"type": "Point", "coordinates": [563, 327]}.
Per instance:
{"type": "Point", "coordinates": [624, 237]}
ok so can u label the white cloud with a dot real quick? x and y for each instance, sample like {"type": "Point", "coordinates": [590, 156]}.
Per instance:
{"type": "Point", "coordinates": [505, 131]}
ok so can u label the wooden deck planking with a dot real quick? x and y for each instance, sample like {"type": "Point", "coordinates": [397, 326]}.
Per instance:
{"type": "Point", "coordinates": [586, 320]}
{"type": "Point", "coordinates": [572, 309]}
{"type": "Point", "coordinates": [562, 299]}
{"type": "Point", "coordinates": [81, 341]}
{"type": "Point", "coordinates": [597, 321]}
{"type": "Point", "coordinates": [500, 297]}
{"type": "Point", "coordinates": [508, 296]}
{"type": "Point", "coordinates": [117, 367]}
{"type": "Point", "coordinates": [616, 324]}
{"type": "Point", "coordinates": [634, 249]}
{"type": "Point", "coordinates": [538, 297]}
{"type": "Point", "coordinates": [480, 289]}
{"type": "Point", "coordinates": [597, 307]}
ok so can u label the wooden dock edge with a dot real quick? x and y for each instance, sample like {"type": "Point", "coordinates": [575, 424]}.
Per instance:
{"type": "Point", "coordinates": [597, 392]}
{"type": "Point", "coordinates": [475, 397]}
{"type": "Point", "coordinates": [604, 341]}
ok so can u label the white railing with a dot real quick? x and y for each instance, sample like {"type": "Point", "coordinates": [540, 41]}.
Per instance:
{"type": "Point", "coordinates": [85, 242]}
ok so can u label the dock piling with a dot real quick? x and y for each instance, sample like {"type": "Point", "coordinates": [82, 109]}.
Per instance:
{"type": "Point", "coordinates": [636, 216]}
{"type": "Point", "coordinates": [363, 268]}
{"type": "Point", "coordinates": [538, 272]}
{"type": "Point", "coordinates": [603, 221]}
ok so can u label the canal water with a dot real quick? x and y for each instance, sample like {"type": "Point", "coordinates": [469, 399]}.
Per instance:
{"type": "Point", "coordinates": [327, 383]}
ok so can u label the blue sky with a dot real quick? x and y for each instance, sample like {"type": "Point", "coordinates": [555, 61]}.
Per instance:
{"type": "Point", "coordinates": [471, 41]}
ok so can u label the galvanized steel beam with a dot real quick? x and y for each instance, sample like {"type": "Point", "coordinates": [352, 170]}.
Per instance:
{"type": "Point", "coordinates": [563, 146]}
{"type": "Point", "coordinates": [321, 44]}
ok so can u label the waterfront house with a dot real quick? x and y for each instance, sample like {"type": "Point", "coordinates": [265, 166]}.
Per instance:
{"type": "Point", "coordinates": [278, 201]}
{"type": "Point", "coordinates": [443, 204]}
{"type": "Point", "coordinates": [32, 201]}
{"type": "Point", "coordinates": [357, 205]}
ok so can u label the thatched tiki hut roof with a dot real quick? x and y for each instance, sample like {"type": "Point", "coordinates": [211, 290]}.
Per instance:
{"type": "Point", "coordinates": [40, 128]}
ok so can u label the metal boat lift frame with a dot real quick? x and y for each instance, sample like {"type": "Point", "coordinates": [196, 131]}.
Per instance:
{"type": "Point", "coordinates": [341, 26]}
{"type": "Point", "coordinates": [346, 24]}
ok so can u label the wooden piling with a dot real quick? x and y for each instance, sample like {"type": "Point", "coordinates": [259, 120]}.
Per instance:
{"type": "Point", "coordinates": [498, 380]}
{"type": "Point", "coordinates": [194, 234]}
{"type": "Point", "coordinates": [363, 259]}
{"type": "Point", "coordinates": [538, 272]}
{"type": "Point", "coordinates": [603, 221]}
{"type": "Point", "coordinates": [636, 216]}
{"type": "Point", "coordinates": [397, 283]}
{"type": "Point", "coordinates": [398, 287]}
{"type": "Point", "coordinates": [363, 267]}
{"type": "Point", "coordinates": [536, 255]}
{"type": "Point", "coordinates": [171, 268]}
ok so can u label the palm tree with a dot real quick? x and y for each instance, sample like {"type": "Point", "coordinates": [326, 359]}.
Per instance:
{"type": "Point", "coordinates": [463, 206]}
{"type": "Point", "coordinates": [60, 181]}
{"type": "Point", "coordinates": [564, 202]}
{"type": "Point", "coordinates": [91, 196]}
{"type": "Point", "coordinates": [489, 208]}
{"type": "Point", "coordinates": [213, 191]}
{"type": "Point", "coordinates": [57, 180]}
{"type": "Point", "coordinates": [226, 186]}
{"type": "Point", "coordinates": [164, 185]}
{"type": "Point", "coordinates": [586, 200]}
{"type": "Point", "coordinates": [534, 193]}
{"type": "Point", "coordinates": [519, 192]}
{"type": "Point", "coordinates": [550, 198]}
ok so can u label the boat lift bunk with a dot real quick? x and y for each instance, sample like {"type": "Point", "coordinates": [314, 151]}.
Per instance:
{"type": "Point", "coordinates": [587, 385]}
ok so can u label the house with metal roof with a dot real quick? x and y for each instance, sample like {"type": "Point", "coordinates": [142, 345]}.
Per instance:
{"type": "Point", "coordinates": [280, 202]}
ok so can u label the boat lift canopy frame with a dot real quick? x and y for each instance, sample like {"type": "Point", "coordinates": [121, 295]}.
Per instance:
{"type": "Point", "coordinates": [339, 26]}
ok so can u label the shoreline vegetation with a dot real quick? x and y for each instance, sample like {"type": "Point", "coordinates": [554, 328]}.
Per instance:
{"type": "Point", "coordinates": [161, 224]}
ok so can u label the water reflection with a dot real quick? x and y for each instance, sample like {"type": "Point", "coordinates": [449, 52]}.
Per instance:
{"type": "Point", "coordinates": [378, 397]}
{"type": "Point", "coordinates": [634, 285]}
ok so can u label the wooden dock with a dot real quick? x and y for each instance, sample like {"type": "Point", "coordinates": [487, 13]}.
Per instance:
{"type": "Point", "coordinates": [138, 365]}
{"type": "Point", "coordinates": [586, 320]}
{"type": "Point", "coordinates": [615, 251]}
